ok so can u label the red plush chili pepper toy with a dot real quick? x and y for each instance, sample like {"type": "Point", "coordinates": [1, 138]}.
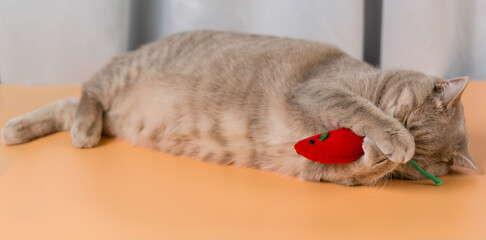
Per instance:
{"type": "Point", "coordinates": [340, 146]}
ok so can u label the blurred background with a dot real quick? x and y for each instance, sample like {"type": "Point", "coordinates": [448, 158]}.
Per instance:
{"type": "Point", "coordinates": [64, 42]}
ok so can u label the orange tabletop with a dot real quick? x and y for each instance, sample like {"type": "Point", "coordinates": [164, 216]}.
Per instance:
{"type": "Point", "coordinates": [52, 190]}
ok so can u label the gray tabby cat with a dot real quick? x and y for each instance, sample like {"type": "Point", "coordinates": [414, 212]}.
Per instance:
{"type": "Point", "coordinates": [245, 100]}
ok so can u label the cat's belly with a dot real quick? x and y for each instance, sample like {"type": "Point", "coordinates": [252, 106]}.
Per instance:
{"type": "Point", "coordinates": [169, 119]}
{"type": "Point", "coordinates": [222, 140]}
{"type": "Point", "coordinates": [176, 129]}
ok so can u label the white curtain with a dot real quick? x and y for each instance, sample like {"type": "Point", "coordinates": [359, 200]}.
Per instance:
{"type": "Point", "coordinates": [59, 41]}
{"type": "Point", "coordinates": [444, 38]}
{"type": "Point", "coordinates": [65, 42]}
{"type": "Point", "coordinates": [337, 22]}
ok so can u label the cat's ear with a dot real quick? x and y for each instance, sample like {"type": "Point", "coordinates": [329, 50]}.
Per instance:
{"type": "Point", "coordinates": [464, 161]}
{"type": "Point", "coordinates": [450, 91]}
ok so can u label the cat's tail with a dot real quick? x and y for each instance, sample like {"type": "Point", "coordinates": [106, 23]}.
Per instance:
{"type": "Point", "coordinates": [54, 117]}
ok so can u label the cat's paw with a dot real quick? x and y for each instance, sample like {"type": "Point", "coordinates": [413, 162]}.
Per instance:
{"type": "Point", "coordinates": [372, 153]}
{"type": "Point", "coordinates": [84, 136]}
{"type": "Point", "coordinates": [15, 132]}
{"type": "Point", "coordinates": [396, 144]}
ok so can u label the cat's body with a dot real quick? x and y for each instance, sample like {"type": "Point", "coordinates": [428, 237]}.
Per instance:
{"type": "Point", "coordinates": [245, 100]}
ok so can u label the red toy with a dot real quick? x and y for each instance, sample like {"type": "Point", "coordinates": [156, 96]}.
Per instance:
{"type": "Point", "coordinates": [341, 146]}
{"type": "Point", "coordinates": [333, 147]}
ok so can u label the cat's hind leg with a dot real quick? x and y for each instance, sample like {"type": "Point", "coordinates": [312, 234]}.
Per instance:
{"type": "Point", "coordinates": [88, 123]}
{"type": "Point", "coordinates": [54, 117]}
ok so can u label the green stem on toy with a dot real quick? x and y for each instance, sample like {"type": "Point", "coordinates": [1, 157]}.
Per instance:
{"type": "Point", "coordinates": [323, 136]}
{"type": "Point", "coordinates": [437, 181]}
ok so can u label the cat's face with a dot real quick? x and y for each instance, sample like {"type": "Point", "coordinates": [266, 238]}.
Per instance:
{"type": "Point", "coordinates": [439, 131]}
{"type": "Point", "coordinates": [435, 120]}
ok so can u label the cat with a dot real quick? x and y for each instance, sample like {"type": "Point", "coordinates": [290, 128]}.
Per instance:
{"type": "Point", "coordinates": [245, 100]}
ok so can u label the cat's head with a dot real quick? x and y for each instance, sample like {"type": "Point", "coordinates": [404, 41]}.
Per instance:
{"type": "Point", "coordinates": [431, 109]}
{"type": "Point", "coordinates": [437, 124]}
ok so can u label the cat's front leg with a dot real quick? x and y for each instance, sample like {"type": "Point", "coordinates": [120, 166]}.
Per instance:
{"type": "Point", "coordinates": [352, 111]}
{"type": "Point", "coordinates": [394, 141]}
